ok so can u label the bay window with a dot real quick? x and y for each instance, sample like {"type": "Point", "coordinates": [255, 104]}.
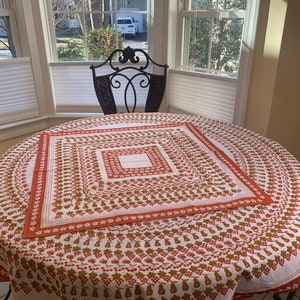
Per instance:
{"type": "Point", "coordinates": [207, 44]}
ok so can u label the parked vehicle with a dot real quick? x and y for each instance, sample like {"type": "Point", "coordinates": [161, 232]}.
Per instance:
{"type": "Point", "coordinates": [127, 25]}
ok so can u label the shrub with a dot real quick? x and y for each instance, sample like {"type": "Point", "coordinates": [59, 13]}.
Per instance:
{"type": "Point", "coordinates": [102, 42]}
{"type": "Point", "coordinates": [71, 52]}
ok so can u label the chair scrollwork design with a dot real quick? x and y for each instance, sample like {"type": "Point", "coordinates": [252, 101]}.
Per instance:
{"type": "Point", "coordinates": [129, 75]}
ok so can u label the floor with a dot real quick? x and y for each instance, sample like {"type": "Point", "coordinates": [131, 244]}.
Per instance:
{"type": "Point", "coordinates": [4, 289]}
{"type": "Point", "coordinates": [4, 145]}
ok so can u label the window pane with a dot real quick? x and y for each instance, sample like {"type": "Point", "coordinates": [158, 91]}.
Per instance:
{"type": "Point", "coordinates": [7, 48]}
{"type": "Point", "coordinates": [202, 4]}
{"type": "Point", "coordinates": [199, 41]}
{"type": "Point", "coordinates": [220, 4]}
{"type": "Point", "coordinates": [67, 24]}
{"type": "Point", "coordinates": [69, 41]}
{"type": "Point", "coordinates": [213, 34]}
{"type": "Point", "coordinates": [226, 44]}
{"type": "Point", "coordinates": [101, 36]}
{"type": "Point", "coordinates": [231, 5]}
{"type": "Point", "coordinates": [91, 29]}
{"type": "Point", "coordinates": [66, 5]}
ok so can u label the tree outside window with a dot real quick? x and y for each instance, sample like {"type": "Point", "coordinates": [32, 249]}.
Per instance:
{"type": "Point", "coordinates": [7, 45]}
{"type": "Point", "coordinates": [212, 35]}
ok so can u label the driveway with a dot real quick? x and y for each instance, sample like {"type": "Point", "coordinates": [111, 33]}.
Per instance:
{"type": "Point", "coordinates": [140, 41]}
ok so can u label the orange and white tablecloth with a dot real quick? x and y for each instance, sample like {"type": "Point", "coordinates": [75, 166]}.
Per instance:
{"type": "Point", "coordinates": [149, 206]}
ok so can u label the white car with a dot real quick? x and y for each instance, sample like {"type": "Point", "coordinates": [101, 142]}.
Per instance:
{"type": "Point", "coordinates": [127, 25]}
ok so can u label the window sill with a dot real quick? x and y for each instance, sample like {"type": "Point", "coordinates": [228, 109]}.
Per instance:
{"type": "Point", "coordinates": [15, 129]}
{"type": "Point", "coordinates": [204, 75]}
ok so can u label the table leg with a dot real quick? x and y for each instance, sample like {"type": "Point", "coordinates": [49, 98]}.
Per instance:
{"type": "Point", "coordinates": [289, 297]}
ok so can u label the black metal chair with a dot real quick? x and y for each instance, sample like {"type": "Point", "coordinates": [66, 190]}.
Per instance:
{"type": "Point", "coordinates": [8, 293]}
{"type": "Point", "coordinates": [128, 79]}
{"type": "Point", "coordinates": [290, 296]}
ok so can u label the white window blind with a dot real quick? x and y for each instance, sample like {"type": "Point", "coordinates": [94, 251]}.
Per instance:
{"type": "Point", "coordinates": [74, 90]}
{"type": "Point", "coordinates": [18, 99]}
{"type": "Point", "coordinates": [212, 97]}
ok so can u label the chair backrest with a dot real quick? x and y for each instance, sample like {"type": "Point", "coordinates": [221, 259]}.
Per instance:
{"type": "Point", "coordinates": [127, 76]}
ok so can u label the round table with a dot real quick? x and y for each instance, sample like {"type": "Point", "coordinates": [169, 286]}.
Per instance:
{"type": "Point", "coordinates": [210, 255]}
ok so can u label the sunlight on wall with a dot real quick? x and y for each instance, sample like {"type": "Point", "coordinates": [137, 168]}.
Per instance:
{"type": "Point", "coordinates": [276, 19]}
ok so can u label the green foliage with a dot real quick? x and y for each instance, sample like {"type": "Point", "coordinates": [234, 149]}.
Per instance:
{"type": "Point", "coordinates": [199, 42]}
{"type": "Point", "coordinates": [221, 4]}
{"type": "Point", "coordinates": [215, 43]}
{"type": "Point", "coordinates": [72, 51]}
{"type": "Point", "coordinates": [226, 51]}
{"type": "Point", "coordinates": [102, 42]}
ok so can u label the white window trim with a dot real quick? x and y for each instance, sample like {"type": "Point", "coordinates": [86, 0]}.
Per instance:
{"type": "Point", "coordinates": [248, 43]}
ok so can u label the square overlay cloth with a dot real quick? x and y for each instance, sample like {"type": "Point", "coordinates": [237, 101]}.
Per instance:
{"type": "Point", "coordinates": [103, 177]}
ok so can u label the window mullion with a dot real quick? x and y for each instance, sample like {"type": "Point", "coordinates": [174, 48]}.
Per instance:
{"type": "Point", "coordinates": [200, 14]}
{"type": "Point", "coordinates": [115, 16]}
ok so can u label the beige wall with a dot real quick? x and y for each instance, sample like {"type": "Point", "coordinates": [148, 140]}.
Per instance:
{"type": "Point", "coordinates": [284, 125]}
{"type": "Point", "coordinates": [274, 97]}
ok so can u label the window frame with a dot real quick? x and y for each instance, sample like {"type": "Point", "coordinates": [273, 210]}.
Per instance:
{"type": "Point", "coordinates": [185, 15]}
{"type": "Point", "coordinates": [53, 54]}
{"type": "Point", "coordinates": [10, 13]}
{"type": "Point", "coordinates": [157, 38]}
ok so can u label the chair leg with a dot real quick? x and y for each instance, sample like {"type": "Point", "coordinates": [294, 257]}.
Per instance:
{"type": "Point", "coordinates": [8, 293]}
{"type": "Point", "coordinates": [290, 295]}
